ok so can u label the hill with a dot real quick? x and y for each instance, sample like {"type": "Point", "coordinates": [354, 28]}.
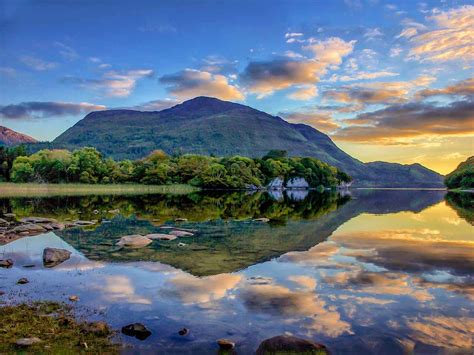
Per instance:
{"type": "Point", "coordinates": [9, 137]}
{"type": "Point", "coordinates": [210, 126]}
{"type": "Point", "coordinates": [462, 177]}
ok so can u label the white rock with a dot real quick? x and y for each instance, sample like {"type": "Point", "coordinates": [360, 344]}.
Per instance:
{"type": "Point", "coordinates": [134, 241]}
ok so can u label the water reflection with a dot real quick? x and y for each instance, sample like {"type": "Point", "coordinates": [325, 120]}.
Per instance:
{"type": "Point", "coordinates": [384, 272]}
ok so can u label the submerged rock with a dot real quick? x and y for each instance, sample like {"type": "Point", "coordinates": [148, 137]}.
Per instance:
{"type": "Point", "coordinates": [286, 344]}
{"type": "Point", "coordinates": [22, 281]}
{"type": "Point", "coordinates": [181, 219]}
{"type": "Point", "coordinates": [29, 228]}
{"type": "Point", "coordinates": [37, 220]}
{"type": "Point", "coordinates": [98, 328]}
{"type": "Point", "coordinates": [134, 241]}
{"type": "Point", "coordinates": [6, 263]}
{"type": "Point", "coordinates": [183, 332]}
{"type": "Point", "coordinates": [27, 341]}
{"type": "Point", "coordinates": [160, 236]}
{"type": "Point", "coordinates": [136, 330]}
{"type": "Point", "coordinates": [84, 223]}
{"type": "Point", "coordinates": [54, 256]}
{"type": "Point", "coordinates": [181, 233]}
{"type": "Point", "coordinates": [226, 344]}
{"type": "Point", "coordinates": [262, 219]}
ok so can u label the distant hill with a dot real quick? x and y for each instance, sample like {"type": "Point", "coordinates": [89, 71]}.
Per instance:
{"type": "Point", "coordinates": [462, 177]}
{"type": "Point", "coordinates": [9, 137]}
{"type": "Point", "coordinates": [210, 126]}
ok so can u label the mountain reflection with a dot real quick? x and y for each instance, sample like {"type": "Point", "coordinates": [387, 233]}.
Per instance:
{"type": "Point", "coordinates": [382, 272]}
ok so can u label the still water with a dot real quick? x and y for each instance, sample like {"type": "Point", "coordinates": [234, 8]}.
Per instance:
{"type": "Point", "coordinates": [375, 271]}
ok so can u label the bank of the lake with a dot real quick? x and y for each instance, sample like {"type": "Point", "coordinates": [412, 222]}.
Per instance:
{"type": "Point", "coordinates": [43, 190]}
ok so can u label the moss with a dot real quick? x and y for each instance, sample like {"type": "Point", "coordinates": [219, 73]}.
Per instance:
{"type": "Point", "coordinates": [57, 328]}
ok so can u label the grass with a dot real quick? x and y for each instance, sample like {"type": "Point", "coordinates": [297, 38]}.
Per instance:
{"type": "Point", "coordinates": [44, 190]}
{"type": "Point", "coordinates": [54, 324]}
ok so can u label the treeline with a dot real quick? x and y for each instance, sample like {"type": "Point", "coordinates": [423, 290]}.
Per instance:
{"type": "Point", "coordinates": [462, 177]}
{"type": "Point", "coordinates": [88, 166]}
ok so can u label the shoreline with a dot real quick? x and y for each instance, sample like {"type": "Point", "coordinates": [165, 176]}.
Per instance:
{"type": "Point", "coordinates": [45, 190]}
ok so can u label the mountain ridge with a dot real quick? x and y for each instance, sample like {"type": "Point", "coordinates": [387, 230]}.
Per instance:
{"type": "Point", "coordinates": [210, 126]}
{"type": "Point", "coordinates": [10, 137]}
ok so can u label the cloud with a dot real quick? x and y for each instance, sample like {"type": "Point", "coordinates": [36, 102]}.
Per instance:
{"type": "Point", "coordinates": [441, 331]}
{"type": "Point", "coordinates": [8, 72]}
{"type": "Point", "coordinates": [39, 109]}
{"type": "Point", "coordinates": [362, 75]}
{"type": "Point", "coordinates": [291, 305]}
{"type": "Point", "coordinates": [218, 65]}
{"type": "Point", "coordinates": [190, 83]}
{"type": "Point", "coordinates": [412, 250]}
{"type": "Point", "coordinates": [113, 83]}
{"type": "Point", "coordinates": [191, 289]}
{"type": "Point", "coordinates": [320, 120]}
{"type": "Point", "coordinates": [66, 51]}
{"type": "Point", "coordinates": [265, 77]}
{"type": "Point", "coordinates": [378, 92]}
{"type": "Point", "coordinates": [37, 63]}
{"type": "Point", "coordinates": [292, 37]}
{"type": "Point", "coordinates": [118, 288]}
{"type": "Point", "coordinates": [304, 93]}
{"type": "Point", "coordinates": [410, 120]}
{"type": "Point", "coordinates": [449, 39]}
{"type": "Point", "coordinates": [395, 52]}
{"type": "Point", "coordinates": [461, 88]}
{"type": "Point", "coordinates": [408, 32]}
{"type": "Point", "coordinates": [156, 105]}
{"type": "Point", "coordinates": [373, 33]}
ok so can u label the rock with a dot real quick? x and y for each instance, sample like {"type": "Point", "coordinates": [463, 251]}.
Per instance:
{"type": "Point", "coordinates": [297, 183]}
{"type": "Point", "coordinates": [98, 328]}
{"type": "Point", "coordinates": [276, 184]}
{"type": "Point", "coordinates": [134, 241]}
{"type": "Point", "coordinates": [184, 332]}
{"type": "Point", "coordinates": [9, 215]}
{"type": "Point", "coordinates": [95, 212]}
{"type": "Point", "coordinates": [22, 281]}
{"type": "Point", "coordinates": [288, 344]}
{"type": "Point", "coordinates": [160, 236]}
{"type": "Point", "coordinates": [73, 298]}
{"type": "Point", "coordinates": [179, 233]}
{"type": "Point", "coordinates": [53, 256]}
{"type": "Point", "coordinates": [4, 222]}
{"type": "Point", "coordinates": [262, 219]}
{"type": "Point", "coordinates": [116, 211]}
{"type": "Point", "coordinates": [57, 226]}
{"type": "Point", "coordinates": [136, 330]}
{"type": "Point", "coordinates": [180, 219]}
{"type": "Point", "coordinates": [37, 220]}
{"type": "Point", "coordinates": [226, 344]}
{"type": "Point", "coordinates": [47, 227]}
{"type": "Point", "coordinates": [29, 228]}
{"type": "Point", "coordinates": [6, 263]}
{"type": "Point", "coordinates": [27, 341]}
{"type": "Point", "coordinates": [181, 245]}
{"type": "Point", "coordinates": [2, 293]}
{"type": "Point", "coordinates": [179, 228]}
{"type": "Point", "coordinates": [84, 223]}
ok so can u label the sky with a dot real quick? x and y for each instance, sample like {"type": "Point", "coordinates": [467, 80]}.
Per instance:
{"type": "Point", "coordinates": [386, 80]}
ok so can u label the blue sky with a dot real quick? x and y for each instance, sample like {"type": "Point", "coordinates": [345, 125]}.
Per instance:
{"type": "Point", "coordinates": [349, 68]}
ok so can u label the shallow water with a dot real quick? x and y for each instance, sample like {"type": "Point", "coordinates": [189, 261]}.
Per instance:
{"type": "Point", "coordinates": [379, 271]}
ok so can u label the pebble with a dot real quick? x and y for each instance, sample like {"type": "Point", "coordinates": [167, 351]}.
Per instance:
{"type": "Point", "coordinates": [22, 281]}
{"type": "Point", "coordinates": [226, 344]}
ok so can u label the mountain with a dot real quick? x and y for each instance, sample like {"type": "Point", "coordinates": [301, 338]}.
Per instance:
{"type": "Point", "coordinates": [207, 126]}
{"type": "Point", "coordinates": [462, 177]}
{"type": "Point", "coordinates": [9, 137]}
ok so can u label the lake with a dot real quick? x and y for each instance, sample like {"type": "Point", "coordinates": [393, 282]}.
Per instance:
{"type": "Point", "coordinates": [370, 271]}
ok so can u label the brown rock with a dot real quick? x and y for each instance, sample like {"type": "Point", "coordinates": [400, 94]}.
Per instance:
{"type": "Point", "coordinates": [22, 281]}
{"type": "Point", "coordinates": [286, 344]}
{"type": "Point", "coordinates": [226, 344]}
{"type": "Point", "coordinates": [98, 328]}
{"type": "Point", "coordinates": [54, 256]}
{"type": "Point", "coordinates": [6, 263]}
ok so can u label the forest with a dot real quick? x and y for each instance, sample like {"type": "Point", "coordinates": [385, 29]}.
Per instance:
{"type": "Point", "coordinates": [89, 166]}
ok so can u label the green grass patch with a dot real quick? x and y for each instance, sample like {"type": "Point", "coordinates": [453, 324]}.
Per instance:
{"type": "Point", "coordinates": [45, 190]}
{"type": "Point", "coordinates": [54, 324]}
